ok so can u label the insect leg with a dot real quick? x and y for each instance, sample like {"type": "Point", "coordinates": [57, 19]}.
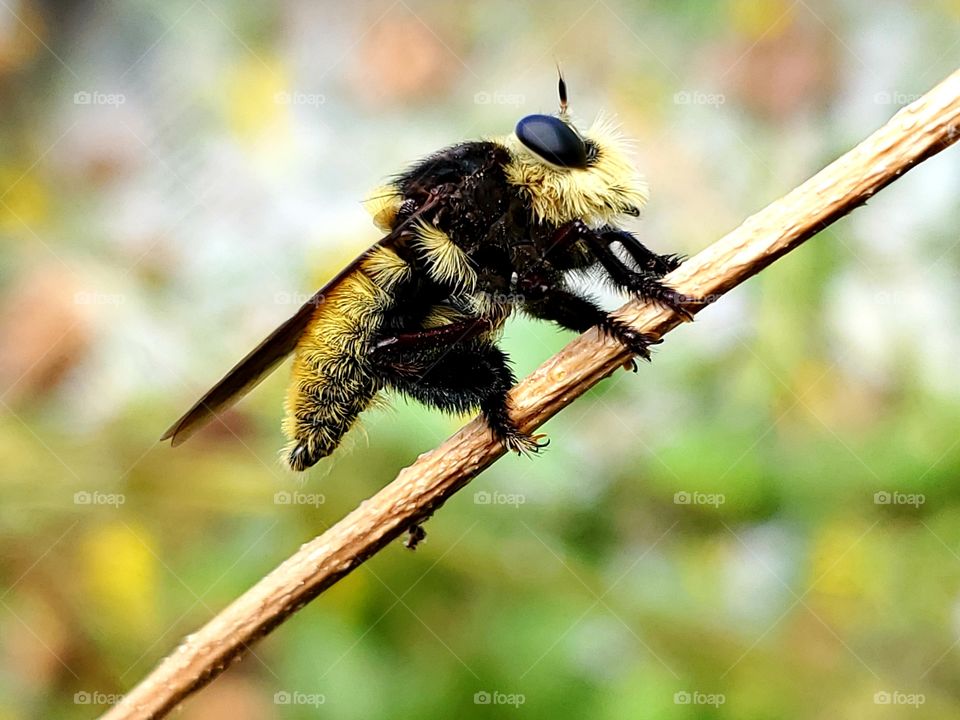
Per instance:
{"type": "Point", "coordinates": [644, 257]}
{"type": "Point", "coordinates": [644, 285]}
{"type": "Point", "coordinates": [458, 377]}
{"type": "Point", "coordinates": [648, 261]}
{"type": "Point", "coordinates": [580, 314]}
{"type": "Point", "coordinates": [437, 337]}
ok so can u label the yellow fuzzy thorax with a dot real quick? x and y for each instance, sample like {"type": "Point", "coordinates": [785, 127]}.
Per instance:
{"type": "Point", "coordinates": [609, 188]}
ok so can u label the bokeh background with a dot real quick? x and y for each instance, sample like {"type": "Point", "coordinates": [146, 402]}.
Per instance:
{"type": "Point", "coordinates": [764, 523]}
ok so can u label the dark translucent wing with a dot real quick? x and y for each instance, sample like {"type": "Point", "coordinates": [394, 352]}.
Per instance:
{"type": "Point", "coordinates": [258, 363]}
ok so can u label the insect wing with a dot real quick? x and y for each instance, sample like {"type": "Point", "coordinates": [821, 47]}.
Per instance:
{"type": "Point", "coordinates": [258, 363]}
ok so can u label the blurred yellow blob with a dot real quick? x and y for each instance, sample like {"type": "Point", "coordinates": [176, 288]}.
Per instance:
{"type": "Point", "coordinates": [258, 99]}
{"type": "Point", "coordinates": [761, 19]}
{"type": "Point", "coordinates": [839, 564]}
{"type": "Point", "coordinates": [23, 199]}
{"type": "Point", "coordinates": [120, 574]}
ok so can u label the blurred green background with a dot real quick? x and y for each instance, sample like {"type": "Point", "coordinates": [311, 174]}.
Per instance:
{"type": "Point", "coordinates": [764, 523]}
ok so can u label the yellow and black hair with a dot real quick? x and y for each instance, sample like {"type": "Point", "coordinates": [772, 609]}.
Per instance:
{"type": "Point", "coordinates": [474, 231]}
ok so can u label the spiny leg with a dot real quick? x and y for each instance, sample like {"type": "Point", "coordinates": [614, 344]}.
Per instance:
{"type": "Point", "coordinates": [644, 257]}
{"type": "Point", "coordinates": [420, 341]}
{"type": "Point", "coordinates": [646, 282]}
{"type": "Point", "coordinates": [456, 378]}
{"type": "Point", "coordinates": [580, 314]}
{"type": "Point", "coordinates": [648, 262]}
{"type": "Point", "coordinates": [646, 286]}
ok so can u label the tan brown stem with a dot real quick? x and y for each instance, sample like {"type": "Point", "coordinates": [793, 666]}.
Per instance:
{"type": "Point", "coordinates": [915, 133]}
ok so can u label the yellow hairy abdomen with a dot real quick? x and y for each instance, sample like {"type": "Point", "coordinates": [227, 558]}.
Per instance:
{"type": "Point", "coordinates": [331, 382]}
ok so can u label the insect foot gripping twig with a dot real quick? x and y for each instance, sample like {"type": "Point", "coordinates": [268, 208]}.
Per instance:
{"type": "Point", "coordinates": [415, 535]}
{"type": "Point", "coordinates": [914, 134]}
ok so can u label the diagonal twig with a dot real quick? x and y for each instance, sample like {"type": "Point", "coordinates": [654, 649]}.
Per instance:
{"type": "Point", "coordinates": [914, 134]}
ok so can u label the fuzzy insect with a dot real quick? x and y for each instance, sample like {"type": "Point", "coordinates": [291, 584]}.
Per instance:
{"type": "Point", "coordinates": [473, 232]}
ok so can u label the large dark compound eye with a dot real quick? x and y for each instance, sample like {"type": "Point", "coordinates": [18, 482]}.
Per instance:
{"type": "Point", "coordinates": [553, 140]}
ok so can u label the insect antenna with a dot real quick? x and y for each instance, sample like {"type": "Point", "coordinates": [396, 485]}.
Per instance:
{"type": "Point", "coordinates": [562, 91]}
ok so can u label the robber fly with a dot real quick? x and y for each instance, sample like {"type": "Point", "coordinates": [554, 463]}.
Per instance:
{"type": "Point", "coordinates": [472, 232]}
